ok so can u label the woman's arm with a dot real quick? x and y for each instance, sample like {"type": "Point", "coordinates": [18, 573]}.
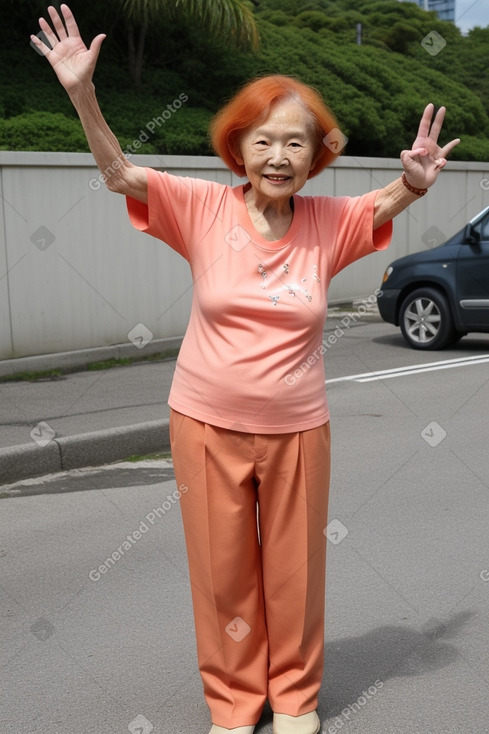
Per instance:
{"type": "Point", "coordinates": [120, 175]}
{"type": "Point", "coordinates": [421, 164]}
{"type": "Point", "coordinates": [74, 65]}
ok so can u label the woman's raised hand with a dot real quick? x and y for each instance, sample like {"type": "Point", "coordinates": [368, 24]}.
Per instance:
{"type": "Point", "coordinates": [72, 61]}
{"type": "Point", "coordinates": [425, 160]}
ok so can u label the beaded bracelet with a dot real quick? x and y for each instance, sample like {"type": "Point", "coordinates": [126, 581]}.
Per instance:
{"type": "Point", "coordinates": [418, 192]}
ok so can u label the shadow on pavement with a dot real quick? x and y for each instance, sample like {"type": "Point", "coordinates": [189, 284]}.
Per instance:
{"type": "Point", "coordinates": [354, 665]}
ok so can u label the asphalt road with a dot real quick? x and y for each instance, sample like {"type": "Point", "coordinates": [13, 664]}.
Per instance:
{"type": "Point", "coordinates": [407, 644]}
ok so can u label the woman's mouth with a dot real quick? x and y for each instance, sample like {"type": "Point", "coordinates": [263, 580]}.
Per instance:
{"type": "Point", "coordinates": [275, 178]}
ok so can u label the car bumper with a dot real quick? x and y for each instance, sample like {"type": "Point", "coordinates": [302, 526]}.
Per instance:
{"type": "Point", "coordinates": [387, 304]}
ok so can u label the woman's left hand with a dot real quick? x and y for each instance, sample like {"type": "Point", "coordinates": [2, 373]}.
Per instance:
{"type": "Point", "coordinates": [424, 161]}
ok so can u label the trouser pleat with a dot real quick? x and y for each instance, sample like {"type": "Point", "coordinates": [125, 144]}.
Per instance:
{"type": "Point", "coordinates": [258, 598]}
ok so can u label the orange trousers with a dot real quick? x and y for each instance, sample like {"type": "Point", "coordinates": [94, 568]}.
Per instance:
{"type": "Point", "coordinates": [254, 513]}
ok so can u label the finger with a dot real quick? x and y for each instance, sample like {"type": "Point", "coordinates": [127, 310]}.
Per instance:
{"type": "Point", "coordinates": [96, 44]}
{"type": "Point", "coordinates": [425, 123]}
{"type": "Point", "coordinates": [449, 147]}
{"type": "Point", "coordinates": [418, 152]}
{"type": "Point", "coordinates": [70, 21]}
{"type": "Point", "coordinates": [437, 124]}
{"type": "Point", "coordinates": [39, 45]}
{"type": "Point", "coordinates": [48, 32]}
{"type": "Point", "coordinates": [408, 157]}
{"type": "Point", "coordinates": [57, 23]}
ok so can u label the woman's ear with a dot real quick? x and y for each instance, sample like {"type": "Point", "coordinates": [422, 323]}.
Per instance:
{"type": "Point", "coordinates": [236, 153]}
{"type": "Point", "coordinates": [316, 157]}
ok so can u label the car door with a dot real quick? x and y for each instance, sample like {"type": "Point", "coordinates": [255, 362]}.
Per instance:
{"type": "Point", "coordinates": [472, 281]}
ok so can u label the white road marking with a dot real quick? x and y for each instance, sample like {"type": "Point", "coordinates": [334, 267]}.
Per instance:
{"type": "Point", "coordinates": [413, 369]}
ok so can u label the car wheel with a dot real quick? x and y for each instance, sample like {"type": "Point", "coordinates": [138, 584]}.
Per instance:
{"type": "Point", "coordinates": [426, 321]}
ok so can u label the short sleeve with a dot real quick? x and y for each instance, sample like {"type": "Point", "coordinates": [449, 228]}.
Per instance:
{"type": "Point", "coordinates": [355, 236]}
{"type": "Point", "coordinates": [179, 211]}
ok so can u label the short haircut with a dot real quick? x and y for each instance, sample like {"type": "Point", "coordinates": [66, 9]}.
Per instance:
{"type": "Point", "coordinates": [253, 104]}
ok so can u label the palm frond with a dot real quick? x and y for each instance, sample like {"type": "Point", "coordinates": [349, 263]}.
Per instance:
{"type": "Point", "coordinates": [222, 18]}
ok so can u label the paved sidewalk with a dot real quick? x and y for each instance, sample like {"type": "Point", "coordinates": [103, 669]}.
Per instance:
{"type": "Point", "coordinates": [84, 418]}
{"type": "Point", "coordinates": [92, 417]}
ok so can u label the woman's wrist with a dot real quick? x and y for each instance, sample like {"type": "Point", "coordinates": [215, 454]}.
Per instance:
{"type": "Point", "coordinates": [411, 188]}
{"type": "Point", "coordinates": [81, 93]}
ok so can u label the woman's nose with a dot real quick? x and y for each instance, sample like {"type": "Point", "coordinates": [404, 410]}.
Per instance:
{"type": "Point", "coordinates": [277, 155]}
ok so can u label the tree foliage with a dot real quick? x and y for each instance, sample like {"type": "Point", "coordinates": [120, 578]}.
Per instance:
{"type": "Point", "coordinates": [377, 90]}
{"type": "Point", "coordinates": [230, 19]}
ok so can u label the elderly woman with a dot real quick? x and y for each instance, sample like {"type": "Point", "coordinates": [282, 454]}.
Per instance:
{"type": "Point", "coordinates": [252, 446]}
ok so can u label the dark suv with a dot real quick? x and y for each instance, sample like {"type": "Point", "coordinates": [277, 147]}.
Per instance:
{"type": "Point", "coordinates": [437, 296]}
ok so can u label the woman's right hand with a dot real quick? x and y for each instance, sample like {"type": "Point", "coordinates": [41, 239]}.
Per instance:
{"type": "Point", "coordinates": [72, 61]}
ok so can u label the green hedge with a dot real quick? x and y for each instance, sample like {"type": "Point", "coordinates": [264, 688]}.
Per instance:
{"type": "Point", "coordinates": [377, 90]}
{"type": "Point", "coordinates": [42, 131]}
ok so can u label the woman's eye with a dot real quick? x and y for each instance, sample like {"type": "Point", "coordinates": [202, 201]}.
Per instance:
{"type": "Point", "coordinates": [295, 145]}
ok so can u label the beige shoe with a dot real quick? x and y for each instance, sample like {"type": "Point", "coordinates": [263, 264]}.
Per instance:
{"type": "Point", "coordinates": [239, 730]}
{"type": "Point", "coordinates": [305, 724]}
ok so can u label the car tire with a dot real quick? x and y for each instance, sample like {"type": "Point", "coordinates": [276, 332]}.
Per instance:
{"type": "Point", "coordinates": [426, 320]}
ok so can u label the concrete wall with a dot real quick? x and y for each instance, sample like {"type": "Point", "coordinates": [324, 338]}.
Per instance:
{"type": "Point", "coordinates": [74, 273]}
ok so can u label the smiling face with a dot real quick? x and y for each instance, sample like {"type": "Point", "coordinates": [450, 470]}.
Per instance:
{"type": "Point", "coordinates": [278, 152]}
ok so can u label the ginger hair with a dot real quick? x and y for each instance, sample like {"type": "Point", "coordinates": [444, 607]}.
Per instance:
{"type": "Point", "coordinates": [253, 103]}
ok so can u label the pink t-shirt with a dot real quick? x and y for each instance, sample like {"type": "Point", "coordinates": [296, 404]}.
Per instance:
{"type": "Point", "coordinates": [258, 307]}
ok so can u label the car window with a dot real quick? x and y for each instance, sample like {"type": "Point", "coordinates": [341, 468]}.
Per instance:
{"type": "Point", "coordinates": [485, 229]}
{"type": "Point", "coordinates": [482, 228]}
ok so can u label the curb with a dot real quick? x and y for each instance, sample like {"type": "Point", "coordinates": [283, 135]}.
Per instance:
{"type": "Point", "coordinates": [95, 448]}
{"type": "Point", "coordinates": [87, 449]}
{"type": "Point", "coordinates": [80, 358]}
